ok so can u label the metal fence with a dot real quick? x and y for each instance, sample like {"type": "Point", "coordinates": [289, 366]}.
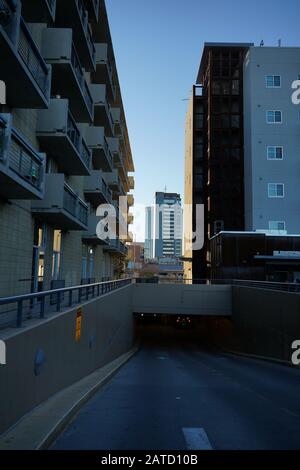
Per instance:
{"type": "Point", "coordinates": [278, 286]}
{"type": "Point", "coordinates": [15, 310]}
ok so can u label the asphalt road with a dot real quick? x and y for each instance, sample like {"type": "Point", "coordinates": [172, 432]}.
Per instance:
{"type": "Point", "coordinates": [173, 395]}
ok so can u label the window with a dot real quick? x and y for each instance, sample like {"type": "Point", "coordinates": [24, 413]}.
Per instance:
{"type": "Point", "coordinates": [275, 153]}
{"type": "Point", "coordinates": [275, 225]}
{"type": "Point", "coordinates": [273, 81]}
{"type": "Point", "coordinates": [276, 190]}
{"type": "Point", "coordinates": [274, 117]}
{"type": "Point", "coordinates": [57, 254]}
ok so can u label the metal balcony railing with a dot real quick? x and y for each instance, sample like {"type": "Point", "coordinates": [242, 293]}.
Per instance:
{"type": "Point", "coordinates": [18, 309]}
{"type": "Point", "coordinates": [84, 20]}
{"type": "Point", "coordinates": [25, 163]}
{"type": "Point", "coordinates": [73, 132]}
{"type": "Point", "coordinates": [32, 58]}
{"type": "Point", "coordinates": [20, 157]}
{"type": "Point", "coordinates": [77, 66]}
{"type": "Point", "coordinates": [106, 191]}
{"type": "Point", "coordinates": [74, 205]}
{"type": "Point", "coordinates": [88, 97]}
{"type": "Point", "coordinates": [81, 79]}
{"type": "Point", "coordinates": [107, 151]}
{"type": "Point", "coordinates": [70, 201]}
{"type": "Point", "coordinates": [83, 212]}
{"type": "Point", "coordinates": [86, 154]}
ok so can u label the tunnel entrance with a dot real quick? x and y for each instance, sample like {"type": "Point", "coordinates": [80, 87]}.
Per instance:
{"type": "Point", "coordinates": [183, 330]}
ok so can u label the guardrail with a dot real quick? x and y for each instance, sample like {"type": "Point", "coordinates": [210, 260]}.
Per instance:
{"type": "Point", "coordinates": [279, 286]}
{"type": "Point", "coordinates": [38, 304]}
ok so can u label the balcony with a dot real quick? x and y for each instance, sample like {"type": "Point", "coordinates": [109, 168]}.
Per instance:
{"type": "Point", "coordinates": [25, 73]}
{"type": "Point", "coordinates": [97, 143]}
{"type": "Point", "coordinates": [68, 78]}
{"type": "Point", "coordinates": [96, 190]}
{"type": "Point", "coordinates": [39, 12]}
{"type": "Point", "coordinates": [92, 7]}
{"type": "Point", "coordinates": [130, 218]}
{"type": "Point", "coordinates": [104, 71]}
{"type": "Point", "coordinates": [116, 115]}
{"type": "Point", "coordinates": [60, 137]}
{"type": "Point", "coordinates": [116, 246]}
{"type": "Point", "coordinates": [90, 236]}
{"type": "Point", "coordinates": [119, 162]}
{"type": "Point", "coordinates": [102, 113]}
{"type": "Point", "coordinates": [113, 180]}
{"type": "Point", "coordinates": [61, 206]}
{"type": "Point", "coordinates": [130, 200]}
{"type": "Point", "coordinates": [131, 182]}
{"type": "Point", "coordinates": [22, 169]}
{"type": "Point", "coordinates": [72, 14]}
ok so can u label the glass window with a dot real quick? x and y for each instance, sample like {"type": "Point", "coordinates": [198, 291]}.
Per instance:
{"type": "Point", "coordinates": [276, 225]}
{"type": "Point", "coordinates": [275, 153]}
{"type": "Point", "coordinates": [275, 190]}
{"type": "Point", "coordinates": [273, 81]}
{"type": "Point", "coordinates": [57, 254]}
{"type": "Point", "coordinates": [274, 117]}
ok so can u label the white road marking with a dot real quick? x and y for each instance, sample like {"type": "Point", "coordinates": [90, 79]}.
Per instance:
{"type": "Point", "coordinates": [196, 439]}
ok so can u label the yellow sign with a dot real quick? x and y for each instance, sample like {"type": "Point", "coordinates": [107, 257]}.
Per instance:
{"type": "Point", "coordinates": [78, 324]}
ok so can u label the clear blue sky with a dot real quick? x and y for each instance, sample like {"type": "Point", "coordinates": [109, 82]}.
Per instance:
{"type": "Point", "coordinates": [158, 45]}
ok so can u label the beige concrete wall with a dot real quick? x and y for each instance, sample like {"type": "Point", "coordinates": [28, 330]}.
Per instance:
{"type": "Point", "coordinates": [107, 332]}
{"type": "Point", "coordinates": [182, 299]}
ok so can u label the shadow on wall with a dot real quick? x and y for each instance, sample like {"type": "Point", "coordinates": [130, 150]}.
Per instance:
{"type": "Point", "coordinates": [48, 356]}
{"type": "Point", "coordinates": [264, 323]}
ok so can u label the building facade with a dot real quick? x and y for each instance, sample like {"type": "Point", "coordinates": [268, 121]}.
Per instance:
{"type": "Point", "coordinates": [256, 256]}
{"type": "Point", "coordinates": [167, 225]}
{"type": "Point", "coordinates": [149, 233]}
{"type": "Point", "coordinates": [241, 152]}
{"type": "Point", "coordinates": [64, 145]}
{"type": "Point", "coordinates": [272, 140]}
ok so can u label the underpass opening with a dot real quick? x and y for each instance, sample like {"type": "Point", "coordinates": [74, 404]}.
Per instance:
{"type": "Point", "coordinates": [201, 331]}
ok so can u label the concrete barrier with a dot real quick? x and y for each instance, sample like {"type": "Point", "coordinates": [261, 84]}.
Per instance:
{"type": "Point", "coordinates": [47, 356]}
{"type": "Point", "coordinates": [180, 299]}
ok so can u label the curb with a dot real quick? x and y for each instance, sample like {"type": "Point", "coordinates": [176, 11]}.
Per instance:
{"type": "Point", "coordinates": [59, 427]}
{"type": "Point", "coordinates": [51, 417]}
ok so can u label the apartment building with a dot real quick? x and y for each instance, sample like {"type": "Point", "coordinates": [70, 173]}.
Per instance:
{"type": "Point", "coordinates": [272, 140]}
{"type": "Point", "coordinates": [64, 145]}
{"type": "Point", "coordinates": [167, 225]}
{"type": "Point", "coordinates": [242, 141]}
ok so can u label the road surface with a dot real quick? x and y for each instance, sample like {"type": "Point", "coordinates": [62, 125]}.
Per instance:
{"type": "Point", "coordinates": [176, 396]}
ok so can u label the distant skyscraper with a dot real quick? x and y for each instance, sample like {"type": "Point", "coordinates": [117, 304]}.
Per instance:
{"type": "Point", "coordinates": [149, 234]}
{"type": "Point", "coordinates": [167, 225]}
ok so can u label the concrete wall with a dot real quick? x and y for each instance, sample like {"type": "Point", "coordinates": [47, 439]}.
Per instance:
{"type": "Point", "coordinates": [265, 322]}
{"type": "Point", "coordinates": [182, 299]}
{"type": "Point", "coordinates": [107, 332]}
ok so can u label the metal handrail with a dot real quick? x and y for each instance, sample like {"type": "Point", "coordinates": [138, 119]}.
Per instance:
{"type": "Point", "coordinates": [84, 293]}
{"type": "Point", "coordinates": [279, 286]}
